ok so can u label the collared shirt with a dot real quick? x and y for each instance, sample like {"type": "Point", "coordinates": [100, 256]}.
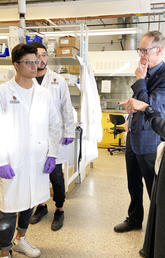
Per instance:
{"type": "Point", "coordinates": [154, 69]}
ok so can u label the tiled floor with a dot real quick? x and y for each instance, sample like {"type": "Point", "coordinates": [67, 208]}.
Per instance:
{"type": "Point", "coordinates": [91, 211]}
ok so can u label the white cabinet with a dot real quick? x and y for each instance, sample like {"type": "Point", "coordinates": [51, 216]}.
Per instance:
{"type": "Point", "coordinates": [114, 63]}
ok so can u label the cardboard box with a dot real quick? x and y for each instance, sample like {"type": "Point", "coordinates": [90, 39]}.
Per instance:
{"type": "Point", "coordinates": [69, 41]}
{"type": "Point", "coordinates": [66, 51]}
{"type": "Point", "coordinates": [74, 69]}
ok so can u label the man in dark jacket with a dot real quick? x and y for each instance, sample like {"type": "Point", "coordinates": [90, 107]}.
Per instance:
{"type": "Point", "coordinates": [142, 141]}
{"type": "Point", "coordinates": [154, 246]}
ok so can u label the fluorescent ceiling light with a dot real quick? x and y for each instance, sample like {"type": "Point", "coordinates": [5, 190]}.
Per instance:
{"type": "Point", "coordinates": [58, 33]}
{"type": "Point", "coordinates": [4, 36]}
{"type": "Point", "coordinates": [102, 32]}
{"type": "Point", "coordinates": [112, 31]}
{"type": "Point", "coordinates": [93, 32]}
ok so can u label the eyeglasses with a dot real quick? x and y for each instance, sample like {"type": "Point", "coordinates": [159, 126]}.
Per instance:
{"type": "Point", "coordinates": [29, 62]}
{"type": "Point", "coordinates": [144, 51]}
{"type": "Point", "coordinates": [44, 54]}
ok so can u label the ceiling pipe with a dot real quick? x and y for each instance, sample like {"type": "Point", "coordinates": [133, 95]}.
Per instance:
{"type": "Point", "coordinates": [32, 2]}
{"type": "Point", "coordinates": [126, 23]}
{"type": "Point", "coordinates": [87, 17]}
{"type": "Point", "coordinates": [157, 3]}
{"type": "Point", "coordinates": [22, 11]}
{"type": "Point", "coordinates": [89, 25]}
{"type": "Point", "coordinates": [102, 17]}
{"type": "Point", "coordinates": [50, 1]}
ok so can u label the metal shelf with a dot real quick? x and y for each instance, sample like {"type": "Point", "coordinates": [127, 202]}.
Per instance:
{"type": "Point", "coordinates": [68, 60]}
{"type": "Point", "coordinates": [5, 61]}
{"type": "Point", "coordinates": [60, 60]}
{"type": "Point", "coordinates": [113, 75]}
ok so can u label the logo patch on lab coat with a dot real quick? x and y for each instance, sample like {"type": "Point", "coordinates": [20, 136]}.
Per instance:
{"type": "Point", "coordinates": [14, 100]}
{"type": "Point", "coordinates": [54, 81]}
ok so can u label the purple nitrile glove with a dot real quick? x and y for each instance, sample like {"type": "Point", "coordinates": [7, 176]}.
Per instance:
{"type": "Point", "coordinates": [6, 172]}
{"type": "Point", "coordinates": [49, 165]}
{"type": "Point", "coordinates": [67, 141]}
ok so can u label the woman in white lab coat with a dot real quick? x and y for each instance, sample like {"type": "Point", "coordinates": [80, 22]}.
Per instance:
{"type": "Point", "coordinates": [59, 90]}
{"type": "Point", "coordinates": [29, 144]}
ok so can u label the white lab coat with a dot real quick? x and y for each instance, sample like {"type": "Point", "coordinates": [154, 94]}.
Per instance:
{"type": "Point", "coordinates": [27, 137]}
{"type": "Point", "coordinates": [91, 118]}
{"type": "Point", "coordinates": [61, 97]}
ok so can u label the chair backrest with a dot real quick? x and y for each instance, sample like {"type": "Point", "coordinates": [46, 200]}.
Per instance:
{"type": "Point", "coordinates": [117, 119]}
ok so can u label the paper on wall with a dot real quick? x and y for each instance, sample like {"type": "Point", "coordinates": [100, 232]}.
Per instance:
{"type": "Point", "coordinates": [105, 86]}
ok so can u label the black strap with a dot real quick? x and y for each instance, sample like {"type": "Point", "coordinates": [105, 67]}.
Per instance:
{"type": "Point", "coordinates": [78, 128]}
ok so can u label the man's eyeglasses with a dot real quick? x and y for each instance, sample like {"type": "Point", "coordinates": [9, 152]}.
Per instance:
{"type": "Point", "coordinates": [144, 50]}
{"type": "Point", "coordinates": [29, 62]}
{"type": "Point", "coordinates": [44, 54]}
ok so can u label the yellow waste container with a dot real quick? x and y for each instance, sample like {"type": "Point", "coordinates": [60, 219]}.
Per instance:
{"type": "Point", "coordinates": [108, 136]}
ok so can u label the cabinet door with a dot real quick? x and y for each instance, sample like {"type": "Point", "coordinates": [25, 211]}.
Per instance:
{"type": "Point", "coordinates": [108, 136]}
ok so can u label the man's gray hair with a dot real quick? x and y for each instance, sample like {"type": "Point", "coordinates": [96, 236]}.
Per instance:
{"type": "Point", "coordinates": [159, 39]}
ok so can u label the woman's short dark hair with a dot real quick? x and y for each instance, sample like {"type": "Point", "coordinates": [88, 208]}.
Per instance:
{"type": "Point", "coordinates": [21, 50]}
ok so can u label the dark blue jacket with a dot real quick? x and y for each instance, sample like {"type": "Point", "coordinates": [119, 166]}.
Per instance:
{"type": "Point", "coordinates": [152, 91]}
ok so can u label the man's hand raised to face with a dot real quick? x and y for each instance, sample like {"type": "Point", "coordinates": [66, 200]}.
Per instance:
{"type": "Point", "coordinates": [141, 70]}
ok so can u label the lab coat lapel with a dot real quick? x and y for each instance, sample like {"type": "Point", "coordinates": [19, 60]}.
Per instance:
{"type": "Point", "coordinates": [48, 79]}
{"type": "Point", "coordinates": [34, 107]}
{"type": "Point", "coordinates": [153, 81]}
{"type": "Point", "coordinates": [45, 80]}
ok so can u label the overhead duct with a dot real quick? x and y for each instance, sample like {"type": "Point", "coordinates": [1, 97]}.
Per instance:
{"type": "Point", "coordinates": [131, 40]}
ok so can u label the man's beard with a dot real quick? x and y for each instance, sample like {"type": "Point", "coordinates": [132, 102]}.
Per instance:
{"type": "Point", "coordinates": [41, 68]}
